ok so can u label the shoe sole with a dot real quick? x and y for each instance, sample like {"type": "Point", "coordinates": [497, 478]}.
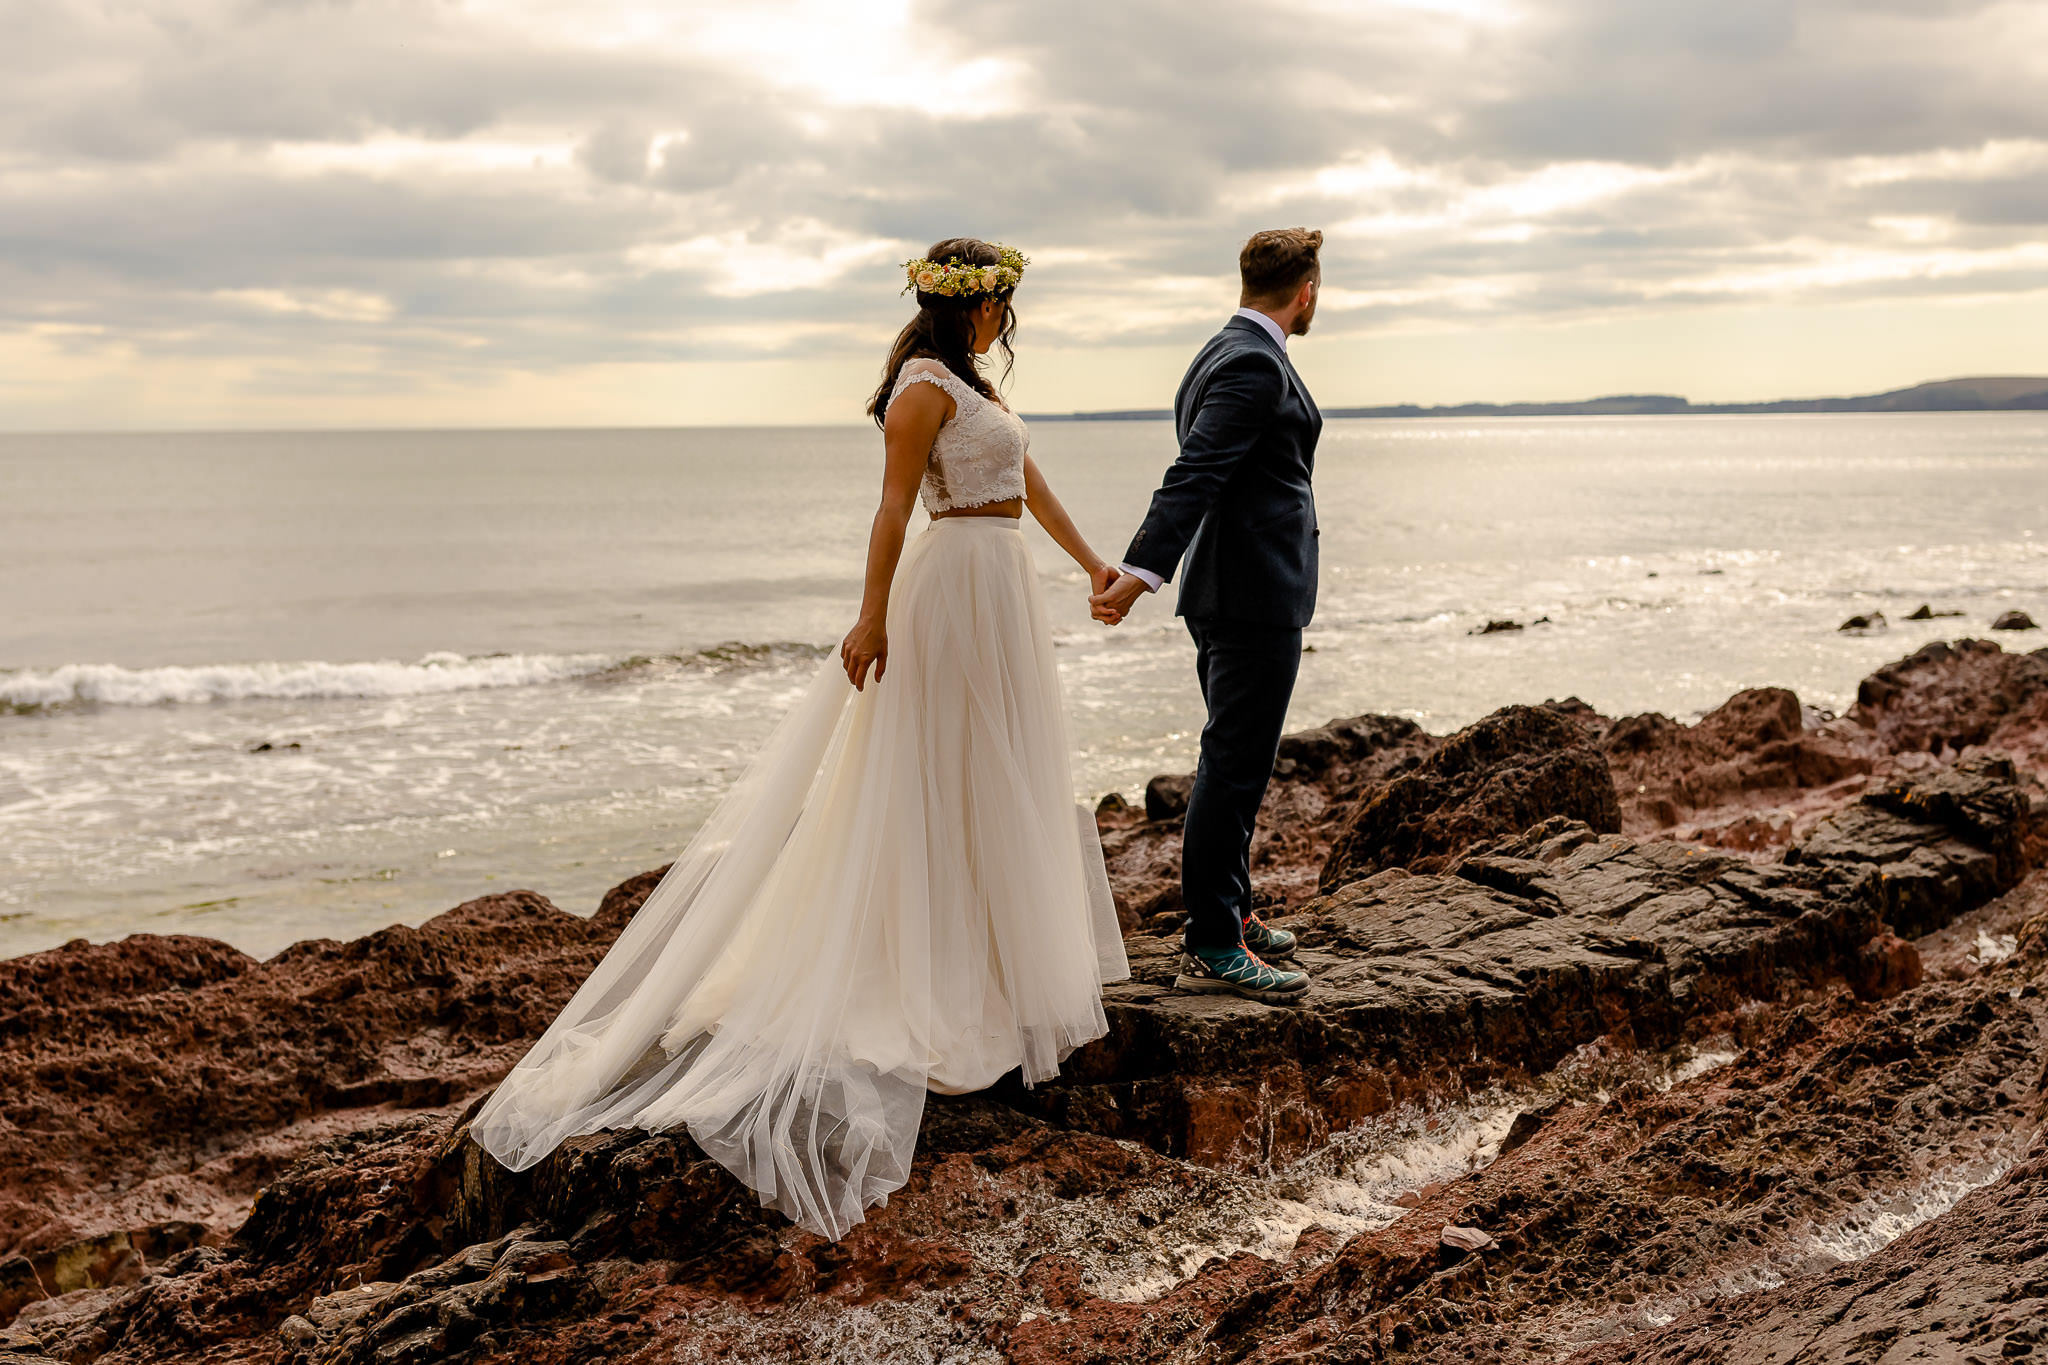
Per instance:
{"type": "Point", "coordinates": [1209, 985]}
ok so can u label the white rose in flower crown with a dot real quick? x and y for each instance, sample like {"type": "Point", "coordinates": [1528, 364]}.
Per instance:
{"type": "Point", "coordinates": [927, 280]}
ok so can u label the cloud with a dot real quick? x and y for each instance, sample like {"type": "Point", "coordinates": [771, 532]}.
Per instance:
{"type": "Point", "coordinates": [538, 186]}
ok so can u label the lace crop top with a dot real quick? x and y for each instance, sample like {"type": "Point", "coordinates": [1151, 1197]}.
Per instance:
{"type": "Point", "coordinates": [978, 456]}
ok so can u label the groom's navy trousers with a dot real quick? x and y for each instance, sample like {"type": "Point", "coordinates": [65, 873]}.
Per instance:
{"type": "Point", "coordinates": [1247, 676]}
{"type": "Point", "coordinates": [1239, 506]}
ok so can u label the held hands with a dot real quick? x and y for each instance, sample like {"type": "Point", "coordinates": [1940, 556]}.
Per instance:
{"type": "Point", "coordinates": [866, 644]}
{"type": "Point", "coordinates": [1115, 593]}
{"type": "Point", "coordinates": [1099, 579]}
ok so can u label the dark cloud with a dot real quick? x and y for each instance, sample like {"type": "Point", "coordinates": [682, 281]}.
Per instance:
{"type": "Point", "coordinates": [2017, 201]}
{"type": "Point", "coordinates": [1655, 80]}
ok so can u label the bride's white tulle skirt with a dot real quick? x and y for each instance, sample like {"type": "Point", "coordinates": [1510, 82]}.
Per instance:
{"type": "Point", "coordinates": [900, 895]}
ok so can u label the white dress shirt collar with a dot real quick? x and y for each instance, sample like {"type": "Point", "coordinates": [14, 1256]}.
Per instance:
{"type": "Point", "coordinates": [1272, 327]}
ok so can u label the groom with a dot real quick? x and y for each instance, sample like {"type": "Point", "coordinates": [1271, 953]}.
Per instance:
{"type": "Point", "coordinates": [1239, 506]}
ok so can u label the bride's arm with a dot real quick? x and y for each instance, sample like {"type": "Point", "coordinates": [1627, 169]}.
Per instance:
{"type": "Point", "coordinates": [1038, 496]}
{"type": "Point", "coordinates": [908, 430]}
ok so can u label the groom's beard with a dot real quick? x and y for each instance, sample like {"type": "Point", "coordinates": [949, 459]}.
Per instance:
{"type": "Point", "coordinates": [1301, 323]}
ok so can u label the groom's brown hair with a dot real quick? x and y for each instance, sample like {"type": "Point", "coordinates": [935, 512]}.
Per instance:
{"type": "Point", "coordinates": [1275, 262]}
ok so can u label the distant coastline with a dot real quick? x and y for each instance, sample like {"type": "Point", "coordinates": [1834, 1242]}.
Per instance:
{"type": "Point", "coordinates": [1990, 394]}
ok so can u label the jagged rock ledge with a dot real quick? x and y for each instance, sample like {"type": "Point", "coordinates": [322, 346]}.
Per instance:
{"type": "Point", "coordinates": [212, 1158]}
{"type": "Point", "coordinates": [1525, 949]}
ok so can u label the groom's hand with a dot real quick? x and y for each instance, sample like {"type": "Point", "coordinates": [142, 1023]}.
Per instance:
{"type": "Point", "coordinates": [1111, 604]}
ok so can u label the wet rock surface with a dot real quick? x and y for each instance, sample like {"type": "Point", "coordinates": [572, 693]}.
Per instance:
{"type": "Point", "coordinates": [1970, 1285]}
{"type": "Point", "coordinates": [1566, 1082]}
{"type": "Point", "coordinates": [1834, 1127]}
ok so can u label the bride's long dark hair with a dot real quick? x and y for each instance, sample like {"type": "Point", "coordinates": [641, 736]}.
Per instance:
{"type": "Point", "coordinates": [943, 329]}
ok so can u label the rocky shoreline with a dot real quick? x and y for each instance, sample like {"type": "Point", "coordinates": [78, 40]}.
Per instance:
{"type": "Point", "coordinates": [1647, 1040]}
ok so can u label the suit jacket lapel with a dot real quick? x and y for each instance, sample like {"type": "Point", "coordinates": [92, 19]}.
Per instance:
{"type": "Point", "coordinates": [1301, 388]}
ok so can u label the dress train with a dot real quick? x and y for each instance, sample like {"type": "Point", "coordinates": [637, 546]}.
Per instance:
{"type": "Point", "coordinates": [900, 895]}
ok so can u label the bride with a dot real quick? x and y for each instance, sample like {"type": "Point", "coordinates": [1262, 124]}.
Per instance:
{"type": "Point", "coordinates": [900, 895]}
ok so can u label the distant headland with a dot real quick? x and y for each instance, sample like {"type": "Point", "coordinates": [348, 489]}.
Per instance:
{"type": "Point", "coordinates": [2004, 393]}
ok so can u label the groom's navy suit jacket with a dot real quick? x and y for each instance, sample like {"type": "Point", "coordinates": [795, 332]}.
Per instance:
{"type": "Point", "coordinates": [1238, 504]}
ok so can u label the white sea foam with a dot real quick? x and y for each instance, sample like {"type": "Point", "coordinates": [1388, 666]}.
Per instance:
{"type": "Point", "coordinates": [1877, 1222]}
{"type": "Point", "coordinates": [1866, 1229]}
{"type": "Point", "coordinates": [112, 685]}
{"type": "Point", "coordinates": [1357, 1181]}
{"type": "Point", "coordinates": [1994, 949]}
{"type": "Point", "coordinates": [1348, 1186]}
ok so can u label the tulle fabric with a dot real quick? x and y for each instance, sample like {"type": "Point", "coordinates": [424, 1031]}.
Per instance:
{"type": "Point", "coordinates": [899, 895]}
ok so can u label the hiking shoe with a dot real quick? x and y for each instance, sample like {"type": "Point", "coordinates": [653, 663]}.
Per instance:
{"type": "Point", "coordinates": [1267, 943]}
{"type": "Point", "coordinates": [1237, 971]}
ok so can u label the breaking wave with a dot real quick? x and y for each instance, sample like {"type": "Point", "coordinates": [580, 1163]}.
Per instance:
{"type": "Point", "coordinates": [27, 690]}
{"type": "Point", "coordinates": [113, 685]}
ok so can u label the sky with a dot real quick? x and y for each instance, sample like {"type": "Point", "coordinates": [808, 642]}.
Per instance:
{"type": "Point", "coordinates": [323, 213]}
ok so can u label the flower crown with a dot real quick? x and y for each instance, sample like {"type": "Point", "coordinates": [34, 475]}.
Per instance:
{"type": "Point", "coordinates": [956, 278]}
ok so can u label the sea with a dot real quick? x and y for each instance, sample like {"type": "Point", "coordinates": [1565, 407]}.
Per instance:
{"type": "Point", "coordinates": [268, 687]}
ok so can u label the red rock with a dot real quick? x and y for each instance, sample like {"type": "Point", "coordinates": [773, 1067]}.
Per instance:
{"type": "Point", "coordinates": [305, 1113]}
{"type": "Point", "coordinates": [1944, 698]}
{"type": "Point", "coordinates": [1886, 966]}
{"type": "Point", "coordinates": [154, 1079]}
{"type": "Point", "coordinates": [1970, 1285]}
{"type": "Point", "coordinates": [1519, 766]}
{"type": "Point", "coordinates": [1734, 774]}
{"type": "Point", "coordinates": [1752, 776]}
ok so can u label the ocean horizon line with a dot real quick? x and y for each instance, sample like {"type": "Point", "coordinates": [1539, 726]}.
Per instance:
{"type": "Point", "coordinates": [1986, 393]}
